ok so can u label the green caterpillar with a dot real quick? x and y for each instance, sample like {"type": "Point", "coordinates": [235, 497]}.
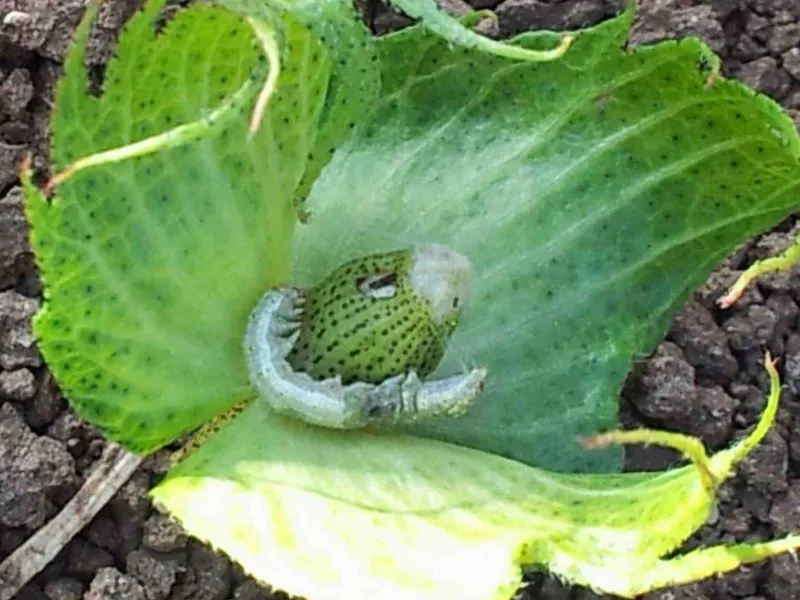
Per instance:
{"type": "Point", "coordinates": [351, 351]}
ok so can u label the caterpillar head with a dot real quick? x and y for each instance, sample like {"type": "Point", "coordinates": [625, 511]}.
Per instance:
{"type": "Point", "coordinates": [382, 315]}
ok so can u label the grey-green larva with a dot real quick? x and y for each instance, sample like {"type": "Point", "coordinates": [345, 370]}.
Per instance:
{"type": "Point", "coordinates": [351, 351]}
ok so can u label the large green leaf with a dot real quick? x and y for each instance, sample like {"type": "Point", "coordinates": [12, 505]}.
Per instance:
{"type": "Point", "coordinates": [331, 515]}
{"type": "Point", "coordinates": [592, 194]}
{"type": "Point", "coordinates": [151, 265]}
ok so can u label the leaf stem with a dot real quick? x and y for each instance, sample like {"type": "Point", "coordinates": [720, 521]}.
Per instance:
{"type": "Point", "coordinates": [266, 36]}
{"type": "Point", "coordinates": [178, 136]}
{"type": "Point", "coordinates": [520, 53]}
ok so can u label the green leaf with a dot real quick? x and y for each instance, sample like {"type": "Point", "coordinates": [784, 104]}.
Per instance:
{"type": "Point", "coordinates": [592, 194]}
{"type": "Point", "coordinates": [353, 82]}
{"type": "Point", "coordinates": [151, 265]}
{"type": "Point", "coordinates": [323, 513]}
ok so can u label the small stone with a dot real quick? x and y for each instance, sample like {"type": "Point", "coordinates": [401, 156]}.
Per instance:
{"type": "Point", "coordinates": [765, 468]}
{"type": "Point", "coordinates": [785, 512]}
{"type": "Point", "coordinates": [772, 9]}
{"type": "Point", "coordinates": [163, 534]}
{"type": "Point", "coordinates": [791, 373]}
{"type": "Point", "coordinates": [758, 27]}
{"type": "Point", "coordinates": [747, 49]}
{"type": "Point", "coordinates": [17, 344]}
{"type": "Point", "coordinates": [665, 390]}
{"type": "Point", "coordinates": [72, 431]}
{"type": "Point", "coordinates": [783, 38]}
{"type": "Point", "coordinates": [737, 522]}
{"type": "Point", "coordinates": [250, 590]}
{"type": "Point", "coordinates": [764, 74]}
{"type": "Point", "coordinates": [700, 21]}
{"type": "Point", "coordinates": [102, 532]}
{"type": "Point", "coordinates": [62, 29]}
{"type": "Point", "coordinates": [752, 403]}
{"type": "Point", "coordinates": [784, 308]}
{"type": "Point", "coordinates": [712, 416]}
{"type": "Point", "coordinates": [157, 464]}
{"type": "Point", "coordinates": [704, 345]}
{"type": "Point", "coordinates": [131, 504]}
{"type": "Point", "coordinates": [692, 591]}
{"type": "Point", "coordinates": [783, 581]}
{"type": "Point", "coordinates": [15, 255]}
{"type": "Point", "coordinates": [65, 588]}
{"type": "Point", "coordinates": [31, 467]}
{"type": "Point", "coordinates": [660, 20]}
{"type": "Point", "coordinates": [46, 405]}
{"type": "Point", "coordinates": [724, 8]}
{"type": "Point", "coordinates": [157, 576]}
{"type": "Point", "coordinates": [388, 20]}
{"type": "Point", "coordinates": [516, 16]}
{"type": "Point", "coordinates": [794, 443]}
{"type": "Point", "coordinates": [83, 558]}
{"type": "Point", "coordinates": [110, 583]}
{"type": "Point", "coordinates": [11, 156]}
{"type": "Point", "coordinates": [751, 329]}
{"type": "Point", "coordinates": [791, 62]}
{"type": "Point", "coordinates": [17, 386]}
{"type": "Point", "coordinates": [208, 576]}
{"type": "Point", "coordinates": [739, 583]}
{"type": "Point", "coordinates": [15, 93]}
{"type": "Point", "coordinates": [15, 133]}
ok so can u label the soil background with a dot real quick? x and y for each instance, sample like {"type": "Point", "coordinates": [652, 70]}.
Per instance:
{"type": "Point", "coordinates": [706, 378]}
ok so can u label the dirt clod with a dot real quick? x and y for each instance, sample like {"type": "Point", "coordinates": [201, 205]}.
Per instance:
{"type": "Point", "coordinates": [65, 588]}
{"type": "Point", "coordinates": [18, 385]}
{"type": "Point", "coordinates": [163, 534]}
{"type": "Point", "coordinates": [17, 344]}
{"type": "Point", "coordinates": [14, 252]}
{"type": "Point", "coordinates": [15, 93]}
{"type": "Point", "coordinates": [751, 329]}
{"type": "Point", "coordinates": [110, 583]}
{"type": "Point", "coordinates": [665, 387]}
{"type": "Point", "coordinates": [84, 558]}
{"type": "Point", "coordinates": [156, 574]}
{"type": "Point", "coordinates": [208, 576]}
{"type": "Point", "coordinates": [704, 345]}
{"type": "Point", "coordinates": [668, 20]}
{"type": "Point", "coordinates": [31, 467]}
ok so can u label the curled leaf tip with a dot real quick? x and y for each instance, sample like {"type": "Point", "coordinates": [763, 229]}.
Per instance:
{"type": "Point", "coordinates": [24, 171]}
{"type": "Point", "coordinates": [689, 447]}
{"type": "Point", "coordinates": [774, 264]}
